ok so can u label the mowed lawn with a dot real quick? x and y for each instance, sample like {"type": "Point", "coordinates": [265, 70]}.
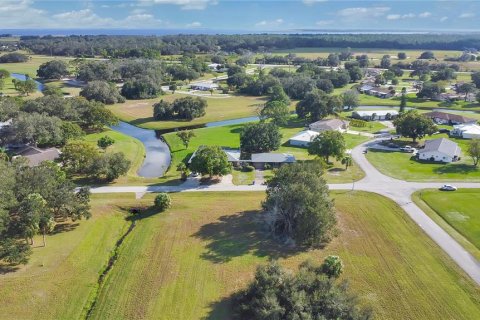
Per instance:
{"type": "Point", "coordinates": [59, 279]}
{"type": "Point", "coordinates": [459, 209]}
{"type": "Point", "coordinates": [402, 166]}
{"type": "Point", "coordinates": [185, 263]}
{"type": "Point", "coordinates": [140, 112]}
{"type": "Point", "coordinates": [229, 136]}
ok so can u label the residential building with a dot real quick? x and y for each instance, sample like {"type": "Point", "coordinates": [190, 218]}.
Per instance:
{"type": "Point", "coordinates": [330, 124]}
{"type": "Point", "coordinates": [440, 150]}
{"type": "Point", "coordinates": [371, 115]}
{"type": "Point", "coordinates": [204, 86]}
{"type": "Point", "coordinates": [259, 160]}
{"type": "Point", "coordinates": [466, 131]}
{"type": "Point", "coordinates": [303, 138]}
{"type": "Point", "coordinates": [449, 118]}
{"type": "Point", "coordinates": [36, 156]}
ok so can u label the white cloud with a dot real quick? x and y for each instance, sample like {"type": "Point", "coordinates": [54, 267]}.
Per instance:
{"type": "Point", "coordinates": [85, 17]}
{"type": "Point", "coordinates": [466, 15]}
{"type": "Point", "coordinates": [311, 2]}
{"type": "Point", "coordinates": [194, 24]}
{"type": "Point", "coordinates": [363, 12]}
{"type": "Point", "coordinates": [14, 14]}
{"type": "Point", "coordinates": [442, 19]}
{"type": "Point", "coordinates": [425, 14]}
{"type": "Point", "coordinates": [184, 4]}
{"type": "Point", "coordinates": [323, 23]}
{"type": "Point", "coordinates": [401, 16]}
{"type": "Point", "coordinates": [267, 23]}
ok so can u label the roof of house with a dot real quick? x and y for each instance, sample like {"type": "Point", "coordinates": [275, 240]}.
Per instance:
{"type": "Point", "coordinates": [330, 124]}
{"type": "Point", "coordinates": [273, 157]}
{"type": "Point", "coordinates": [306, 135]}
{"type": "Point", "coordinates": [233, 155]}
{"type": "Point", "coordinates": [449, 117]}
{"type": "Point", "coordinates": [36, 155]}
{"type": "Point", "coordinates": [204, 85]}
{"type": "Point", "coordinates": [366, 87]}
{"type": "Point", "coordinates": [441, 145]}
{"type": "Point", "coordinates": [369, 113]}
{"type": "Point", "coordinates": [468, 128]}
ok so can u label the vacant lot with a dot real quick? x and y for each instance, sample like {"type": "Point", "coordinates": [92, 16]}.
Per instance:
{"type": "Point", "coordinates": [459, 210]}
{"type": "Point", "coordinates": [140, 112]}
{"type": "Point", "coordinates": [59, 278]}
{"type": "Point", "coordinates": [185, 263]}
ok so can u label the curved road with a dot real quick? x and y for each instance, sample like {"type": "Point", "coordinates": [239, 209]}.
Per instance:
{"type": "Point", "coordinates": [398, 190]}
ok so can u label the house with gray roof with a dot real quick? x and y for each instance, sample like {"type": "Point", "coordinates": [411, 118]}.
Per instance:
{"type": "Point", "coordinates": [35, 156]}
{"type": "Point", "coordinates": [440, 150]}
{"type": "Point", "coordinates": [329, 124]}
{"type": "Point", "coordinates": [259, 160]}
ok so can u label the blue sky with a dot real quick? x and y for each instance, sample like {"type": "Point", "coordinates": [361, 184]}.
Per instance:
{"type": "Point", "coordinates": [257, 16]}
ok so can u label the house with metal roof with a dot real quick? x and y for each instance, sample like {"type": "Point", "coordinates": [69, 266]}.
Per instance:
{"type": "Point", "coordinates": [371, 115]}
{"type": "Point", "coordinates": [303, 138]}
{"type": "Point", "coordinates": [466, 131]}
{"type": "Point", "coordinates": [440, 150]}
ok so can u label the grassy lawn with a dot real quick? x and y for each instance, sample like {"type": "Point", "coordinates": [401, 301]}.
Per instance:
{"type": "Point", "coordinates": [140, 112]}
{"type": "Point", "coordinates": [186, 262]}
{"type": "Point", "coordinates": [59, 279]}
{"type": "Point", "coordinates": [402, 166]}
{"type": "Point", "coordinates": [370, 127]}
{"type": "Point", "coordinates": [241, 177]}
{"type": "Point", "coordinates": [229, 136]}
{"type": "Point", "coordinates": [458, 213]}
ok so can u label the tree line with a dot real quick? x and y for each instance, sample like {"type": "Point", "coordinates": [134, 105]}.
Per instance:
{"type": "Point", "coordinates": [155, 46]}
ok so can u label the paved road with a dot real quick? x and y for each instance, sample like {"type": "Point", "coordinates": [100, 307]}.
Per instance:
{"type": "Point", "coordinates": [398, 190]}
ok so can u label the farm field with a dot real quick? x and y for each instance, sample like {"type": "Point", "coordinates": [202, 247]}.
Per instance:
{"type": "Point", "coordinates": [402, 166]}
{"type": "Point", "coordinates": [229, 136]}
{"type": "Point", "coordinates": [186, 263]}
{"type": "Point", "coordinates": [457, 212]}
{"type": "Point", "coordinates": [140, 112]}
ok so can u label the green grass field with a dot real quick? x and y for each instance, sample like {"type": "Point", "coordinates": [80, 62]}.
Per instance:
{"type": "Point", "coordinates": [401, 165]}
{"type": "Point", "coordinates": [185, 263]}
{"type": "Point", "coordinates": [58, 280]}
{"type": "Point", "coordinates": [140, 112]}
{"type": "Point", "coordinates": [459, 211]}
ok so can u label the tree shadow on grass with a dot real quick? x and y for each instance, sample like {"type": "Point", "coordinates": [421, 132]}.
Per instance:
{"type": "Point", "coordinates": [7, 268]}
{"type": "Point", "coordinates": [236, 235]}
{"type": "Point", "coordinates": [221, 309]}
{"type": "Point", "coordinates": [455, 169]}
{"type": "Point", "coordinates": [64, 227]}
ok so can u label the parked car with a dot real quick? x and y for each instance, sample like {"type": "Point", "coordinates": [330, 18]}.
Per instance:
{"type": "Point", "coordinates": [408, 149]}
{"type": "Point", "coordinates": [448, 187]}
{"type": "Point", "coordinates": [444, 131]}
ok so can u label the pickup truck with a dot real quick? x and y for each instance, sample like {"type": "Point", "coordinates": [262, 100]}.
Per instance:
{"type": "Point", "coordinates": [408, 149]}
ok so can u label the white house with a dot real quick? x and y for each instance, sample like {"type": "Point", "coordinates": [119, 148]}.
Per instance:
{"type": "Point", "coordinates": [375, 114]}
{"type": "Point", "coordinates": [440, 150]}
{"type": "Point", "coordinates": [303, 138]}
{"type": "Point", "coordinates": [204, 86]}
{"type": "Point", "coordinates": [466, 131]}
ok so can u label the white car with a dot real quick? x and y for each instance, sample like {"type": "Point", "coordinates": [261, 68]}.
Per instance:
{"type": "Point", "coordinates": [448, 187]}
{"type": "Point", "coordinates": [408, 149]}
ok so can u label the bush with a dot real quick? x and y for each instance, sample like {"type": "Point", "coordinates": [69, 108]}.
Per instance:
{"type": "Point", "coordinates": [13, 57]}
{"type": "Point", "coordinates": [248, 168]}
{"type": "Point", "coordinates": [162, 201]}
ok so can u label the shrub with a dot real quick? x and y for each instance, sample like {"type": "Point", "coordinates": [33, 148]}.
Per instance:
{"type": "Point", "coordinates": [248, 168]}
{"type": "Point", "coordinates": [162, 201]}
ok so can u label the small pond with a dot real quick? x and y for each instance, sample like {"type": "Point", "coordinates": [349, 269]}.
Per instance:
{"type": "Point", "coordinates": [22, 77]}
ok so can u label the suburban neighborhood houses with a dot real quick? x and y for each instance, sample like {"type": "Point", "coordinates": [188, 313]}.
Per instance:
{"type": "Point", "coordinates": [372, 115]}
